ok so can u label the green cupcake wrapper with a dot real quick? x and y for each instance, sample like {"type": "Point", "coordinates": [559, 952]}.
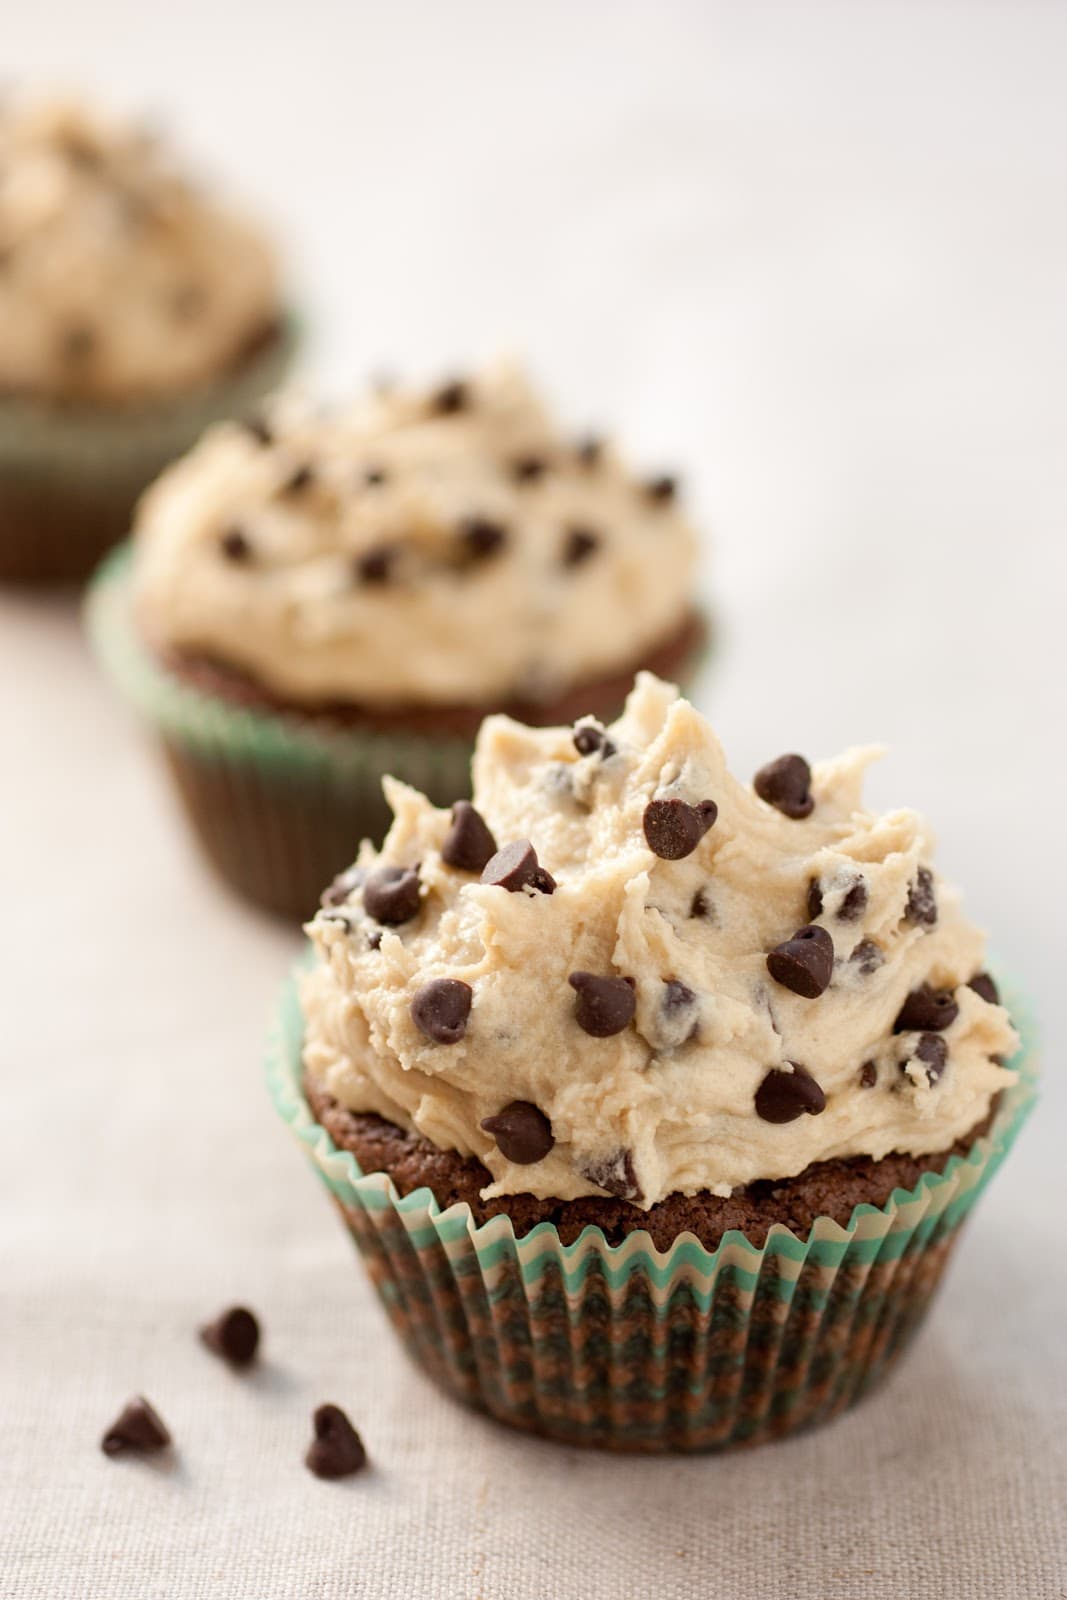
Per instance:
{"type": "Point", "coordinates": [279, 800]}
{"type": "Point", "coordinates": [71, 476]}
{"type": "Point", "coordinates": [631, 1348]}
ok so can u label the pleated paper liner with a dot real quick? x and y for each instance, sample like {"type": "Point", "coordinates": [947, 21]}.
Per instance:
{"type": "Point", "coordinates": [70, 477]}
{"type": "Point", "coordinates": [278, 800]}
{"type": "Point", "coordinates": [634, 1349]}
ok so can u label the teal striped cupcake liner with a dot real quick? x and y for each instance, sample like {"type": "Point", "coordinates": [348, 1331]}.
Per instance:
{"type": "Point", "coordinates": [630, 1348]}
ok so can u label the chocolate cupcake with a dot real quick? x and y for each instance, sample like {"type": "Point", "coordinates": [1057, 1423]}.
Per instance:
{"type": "Point", "coordinates": [134, 310]}
{"type": "Point", "coordinates": [654, 1100]}
{"type": "Point", "coordinates": [316, 600]}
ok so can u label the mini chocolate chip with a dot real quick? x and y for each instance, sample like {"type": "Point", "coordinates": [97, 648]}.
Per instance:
{"type": "Point", "coordinates": [700, 906]}
{"type": "Point", "coordinates": [260, 429]}
{"type": "Point", "coordinates": [336, 893]}
{"type": "Point", "coordinates": [516, 867]}
{"type": "Point", "coordinates": [469, 845]}
{"type": "Point", "coordinates": [868, 1075]}
{"type": "Point", "coordinates": [590, 739]}
{"type": "Point", "coordinates": [374, 477]}
{"type": "Point", "coordinates": [982, 983]}
{"type": "Point", "coordinates": [854, 903]}
{"type": "Point", "coordinates": [662, 489]}
{"type": "Point", "coordinates": [932, 1051]}
{"type": "Point", "coordinates": [674, 828]}
{"type": "Point", "coordinates": [605, 1005]}
{"type": "Point", "coordinates": [579, 545]}
{"type": "Point", "coordinates": [374, 939]}
{"type": "Point", "coordinates": [236, 545]}
{"type": "Point", "coordinates": [814, 899]}
{"type": "Point", "coordinates": [528, 469]}
{"type": "Point", "coordinates": [376, 564]}
{"type": "Point", "coordinates": [785, 784]}
{"type": "Point", "coordinates": [922, 899]}
{"type": "Point", "coordinates": [522, 1132]}
{"type": "Point", "coordinates": [138, 1427]}
{"type": "Point", "coordinates": [680, 1021]}
{"type": "Point", "coordinates": [234, 1335]}
{"type": "Point", "coordinates": [301, 478]}
{"type": "Point", "coordinates": [784, 1096]}
{"type": "Point", "coordinates": [589, 450]}
{"type": "Point", "coordinates": [77, 343]}
{"type": "Point", "coordinates": [616, 1173]}
{"type": "Point", "coordinates": [804, 963]}
{"type": "Point", "coordinates": [926, 1010]}
{"type": "Point", "coordinates": [677, 995]}
{"type": "Point", "coordinates": [441, 1008]}
{"type": "Point", "coordinates": [337, 1449]}
{"type": "Point", "coordinates": [450, 398]}
{"type": "Point", "coordinates": [391, 895]}
{"type": "Point", "coordinates": [481, 538]}
{"type": "Point", "coordinates": [867, 956]}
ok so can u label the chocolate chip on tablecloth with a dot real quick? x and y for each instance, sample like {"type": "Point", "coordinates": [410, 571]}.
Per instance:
{"type": "Point", "coordinates": [337, 1450]}
{"type": "Point", "coordinates": [236, 546]}
{"type": "Point", "coordinates": [590, 739]}
{"type": "Point", "coordinates": [921, 906]}
{"type": "Point", "coordinates": [805, 963]}
{"type": "Point", "coordinates": [674, 828]}
{"type": "Point", "coordinates": [441, 1009]}
{"type": "Point", "coordinates": [982, 983]}
{"type": "Point", "coordinates": [391, 895]}
{"type": "Point", "coordinates": [605, 1005]}
{"type": "Point", "coordinates": [663, 489]}
{"type": "Point", "coordinates": [469, 845]}
{"type": "Point", "coordinates": [481, 537]}
{"type": "Point", "coordinates": [615, 1173]}
{"type": "Point", "coordinates": [375, 566]}
{"type": "Point", "coordinates": [233, 1335]}
{"type": "Point", "coordinates": [783, 1096]}
{"type": "Point", "coordinates": [516, 867]}
{"type": "Point", "coordinates": [932, 1051]}
{"type": "Point", "coordinates": [578, 545]}
{"type": "Point", "coordinates": [336, 893]}
{"type": "Point", "coordinates": [926, 1010]}
{"type": "Point", "coordinates": [785, 784]}
{"type": "Point", "coordinates": [868, 1075]}
{"type": "Point", "coordinates": [522, 1132]}
{"type": "Point", "coordinates": [138, 1427]}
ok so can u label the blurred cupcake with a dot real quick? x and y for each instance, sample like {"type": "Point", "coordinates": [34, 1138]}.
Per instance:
{"type": "Point", "coordinates": [133, 312]}
{"type": "Point", "coordinates": [317, 600]}
{"type": "Point", "coordinates": [654, 1101]}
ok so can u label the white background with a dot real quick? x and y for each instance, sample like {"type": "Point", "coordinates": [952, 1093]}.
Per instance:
{"type": "Point", "coordinates": [815, 256]}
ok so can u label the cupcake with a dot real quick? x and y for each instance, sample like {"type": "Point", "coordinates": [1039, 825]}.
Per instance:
{"type": "Point", "coordinates": [654, 1101]}
{"type": "Point", "coordinates": [317, 599]}
{"type": "Point", "coordinates": [134, 310]}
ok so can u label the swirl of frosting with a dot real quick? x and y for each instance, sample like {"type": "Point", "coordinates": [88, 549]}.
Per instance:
{"type": "Point", "coordinates": [119, 281]}
{"type": "Point", "coordinates": [662, 980]}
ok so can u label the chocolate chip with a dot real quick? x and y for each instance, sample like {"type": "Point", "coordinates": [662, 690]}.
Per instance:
{"type": "Point", "coordinates": [616, 1173]}
{"type": "Point", "coordinates": [590, 739]}
{"type": "Point", "coordinates": [236, 546]}
{"type": "Point", "coordinates": [138, 1427]}
{"type": "Point", "coordinates": [785, 784]}
{"type": "Point", "coordinates": [679, 1021]}
{"type": "Point", "coordinates": [77, 343]}
{"type": "Point", "coordinates": [516, 867]}
{"type": "Point", "coordinates": [391, 895]}
{"type": "Point", "coordinates": [260, 429]}
{"type": "Point", "coordinates": [867, 956]}
{"type": "Point", "coordinates": [662, 489]}
{"type": "Point", "coordinates": [814, 899]}
{"type": "Point", "coordinates": [932, 1051]}
{"type": "Point", "coordinates": [480, 538]}
{"type": "Point", "coordinates": [804, 963]}
{"type": "Point", "coordinates": [589, 450]}
{"type": "Point", "coordinates": [450, 398]}
{"type": "Point", "coordinates": [854, 903]}
{"type": "Point", "coordinates": [522, 1132]}
{"type": "Point", "coordinates": [337, 1449]}
{"type": "Point", "coordinates": [868, 1075]}
{"type": "Point", "coordinates": [376, 564]}
{"type": "Point", "coordinates": [926, 1010]}
{"type": "Point", "coordinates": [234, 1335]}
{"type": "Point", "coordinates": [700, 906]}
{"type": "Point", "coordinates": [982, 983]}
{"type": "Point", "coordinates": [922, 900]}
{"type": "Point", "coordinates": [605, 1005]}
{"type": "Point", "coordinates": [528, 469]}
{"type": "Point", "coordinates": [674, 828]}
{"type": "Point", "coordinates": [441, 1008]}
{"type": "Point", "coordinates": [677, 995]}
{"type": "Point", "coordinates": [374, 477]}
{"type": "Point", "coordinates": [469, 846]}
{"type": "Point", "coordinates": [301, 478]}
{"type": "Point", "coordinates": [579, 545]}
{"type": "Point", "coordinates": [336, 893]}
{"type": "Point", "coordinates": [784, 1096]}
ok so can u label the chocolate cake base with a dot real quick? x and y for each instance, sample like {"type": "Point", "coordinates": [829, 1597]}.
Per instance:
{"type": "Point", "coordinates": [824, 1189]}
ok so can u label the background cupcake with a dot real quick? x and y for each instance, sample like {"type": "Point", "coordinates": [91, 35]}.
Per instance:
{"type": "Point", "coordinates": [316, 600]}
{"type": "Point", "coordinates": [655, 1101]}
{"type": "Point", "coordinates": [133, 311]}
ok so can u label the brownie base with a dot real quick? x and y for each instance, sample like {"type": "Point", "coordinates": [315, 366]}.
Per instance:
{"type": "Point", "coordinates": [824, 1189]}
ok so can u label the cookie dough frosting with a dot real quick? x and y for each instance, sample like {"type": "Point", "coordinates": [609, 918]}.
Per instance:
{"type": "Point", "coordinates": [623, 972]}
{"type": "Point", "coordinates": [444, 546]}
{"type": "Point", "coordinates": [119, 281]}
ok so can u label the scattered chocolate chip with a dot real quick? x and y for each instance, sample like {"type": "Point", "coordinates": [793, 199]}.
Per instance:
{"type": "Point", "coordinates": [854, 903]}
{"type": "Point", "coordinates": [260, 429]}
{"type": "Point", "coordinates": [932, 1051]}
{"type": "Point", "coordinates": [374, 477]}
{"type": "Point", "coordinates": [867, 956]}
{"type": "Point", "coordinates": [784, 1096]}
{"type": "Point", "coordinates": [590, 739]}
{"type": "Point", "coordinates": [391, 895]}
{"type": "Point", "coordinates": [785, 784]}
{"type": "Point", "coordinates": [674, 828]}
{"type": "Point", "coordinates": [926, 1010]}
{"type": "Point", "coordinates": [138, 1427]}
{"type": "Point", "coordinates": [616, 1173]}
{"type": "Point", "coordinates": [516, 867]}
{"type": "Point", "coordinates": [77, 343]}
{"type": "Point", "coordinates": [528, 469]}
{"type": "Point", "coordinates": [301, 478]}
{"type": "Point", "coordinates": [605, 1005]}
{"type": "Point", "coordinates": [441, 1008]}
{"type": "Point", "coordinates": [677, 995]}
{"type": "Point", "coordinates": [480, 538]}
{"type": "Point", "coordinates": [680, 1021]}
{"type": "Point", "coordinates": [236, 545]}
{"type": "Point", "coordinates": [982, 983]}
{"type": "Point", "coordinates": [814, 899]}
{"type": "Point", "coordinates": [376, 564]}
{"type": "Point", "coordinates": [662, 489]}
{"type": "Point", "coordinates": [804, 963]}
{"type": "Point", "coordinates": [469, 845]}
{"type": "Point", "coordinates": [450, 398]}
{"type": "Point", "coordinates": [868, 1075]}
{"type": "Point", "coordinates": [922, 900]}
{"type": "Point", "coordinates": [522, 1132]}
{"type": "Point", "coordinates": [337, 1449]}
{"type": "Point", "coordinates": [701, 906]}
{"type": "Point", "coordinates": [579, 545]}
{"type": "Point", "coordinates": [234, 1335]}
{"type": "Point", "coordinates": [336, 893]}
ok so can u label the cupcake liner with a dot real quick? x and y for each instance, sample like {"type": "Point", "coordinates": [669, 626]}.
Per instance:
{"type": "Point", "coordinates": [279, 800]}
{"type": "Point", "coordinates": [70, 476]}
{"type": "Point", "coordinates": [631, 1348]}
